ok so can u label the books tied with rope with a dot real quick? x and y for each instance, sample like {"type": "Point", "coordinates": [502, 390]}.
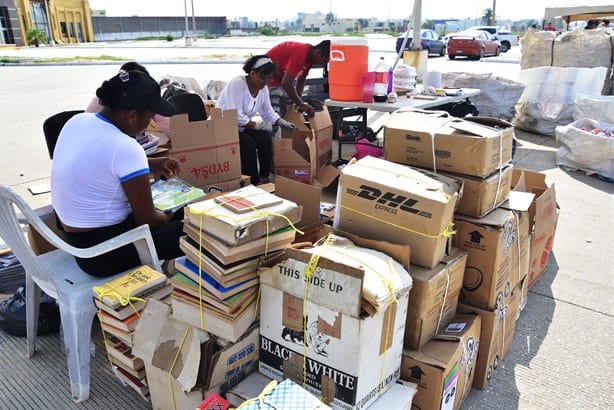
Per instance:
{"type": "Point", "coordinates": [121, 291]}
{"type": "Point", "coordinates": [119, 304]}
{"type": "Point", "coordinates": [171, 194]}
{"type": "Point", "coordinates": [244, 214]}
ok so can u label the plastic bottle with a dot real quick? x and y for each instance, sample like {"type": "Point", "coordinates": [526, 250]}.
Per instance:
{"type": "Point", "coordinates": [380, 88]}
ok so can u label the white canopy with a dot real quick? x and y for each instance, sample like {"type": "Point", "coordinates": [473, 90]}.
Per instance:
{"type": "Point", "coordinates": [579, 13]}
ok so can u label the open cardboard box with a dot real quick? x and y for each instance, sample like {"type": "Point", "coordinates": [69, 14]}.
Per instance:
{"type": "Point", "coordinates": [543, 218]}
{"type": "Point", "coordinates": [208, 150]}
{"type": "Point", "coordinates": [475, 146]}
{"type": "Point", "coordinates": [302, 154]}
{"type": "Point", "coordinates": [196, 366]}
{"type": "Point", "coordinates": [350, 357]}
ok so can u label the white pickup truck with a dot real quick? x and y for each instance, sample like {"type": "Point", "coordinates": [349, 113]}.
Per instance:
{"type": "Point", "coordinates": [506, 38]}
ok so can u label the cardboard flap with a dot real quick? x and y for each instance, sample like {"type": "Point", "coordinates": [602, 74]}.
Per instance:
{"type": "Point", "coordinates": [303, 194]}
{"type": "Point", "coordinates": [518, 201]}
{"type": "Point", "coordinates": [162, 341]}
{"type": "Point", "coordinates": [297, 118]}
{"type": "Point", "coordinates": [326, 176]}
{"type": "Point", "coordinates": [497, 217]}
{"type": "Point", "coordinates": [474, 128]}
{"type": "Point", "coordinates": [334, 284]}
{"type": "Point", "coordinates": [152, 319]}
{"type": "Point", "coordinates": [436, 353]}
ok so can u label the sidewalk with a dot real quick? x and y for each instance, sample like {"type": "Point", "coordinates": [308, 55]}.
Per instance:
{"type": "Point", "coordinates": [561, 357]}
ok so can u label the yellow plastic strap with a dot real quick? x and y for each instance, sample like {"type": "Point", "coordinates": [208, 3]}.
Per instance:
{"type": "Point", "coordinates": [123, 298]}
{"type": "Point", "coordinates": [447, 232]}
{"type": "Point", "coordinates": [268, 389]}
{"type": "Point", "coordinates": [309, 272]}
{"type": "Point", "coordinates": [170, 371]}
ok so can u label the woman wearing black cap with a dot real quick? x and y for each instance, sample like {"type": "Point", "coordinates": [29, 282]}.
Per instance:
{"type": "Point", "coordinates": [100, 175]}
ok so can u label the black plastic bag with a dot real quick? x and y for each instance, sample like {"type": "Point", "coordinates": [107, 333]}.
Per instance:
{"type": "Point", "coordinates": [13, 315]}
{"type": "Point", "coordinates": [459, 109]}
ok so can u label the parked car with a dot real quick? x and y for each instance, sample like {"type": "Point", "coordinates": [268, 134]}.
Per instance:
{"type": "Point", "coordinates": [506, 38]}
{"type": "Point", "coordinates": [473, 44]}
{"type": "Point", "coordinates": [429, 40]}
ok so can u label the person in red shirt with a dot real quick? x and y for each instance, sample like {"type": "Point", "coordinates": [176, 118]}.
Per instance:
{"type": "Point", "coordinates": [549, 27]}
{"type": "Point", "coordinates": [294, 60]}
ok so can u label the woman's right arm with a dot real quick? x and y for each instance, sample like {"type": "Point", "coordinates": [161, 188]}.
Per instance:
{"type": "Point", "coordinates": [138, 192]}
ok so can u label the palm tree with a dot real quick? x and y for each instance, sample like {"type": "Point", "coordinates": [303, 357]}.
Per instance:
{"type": "Point", "coordinates": [36, 36]}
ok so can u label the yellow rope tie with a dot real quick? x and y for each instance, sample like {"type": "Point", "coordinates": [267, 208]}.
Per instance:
{"type": "Point", "coordinates": [268, 389]}
{"type": "Point", "coordinates": [257, 300]}
{"type": "Point", "coordinates": [447, 232]}
{"type": "Point", "coordinates": [200, 271]}
{"type": "Point", "coordinates": [309, 272]}
{"type": "Point", "coordinates": [443, 302]}
{"type": "Point", "coordinates": [124, 300]}
{"type": "Point", "coordinates": [170, 371]}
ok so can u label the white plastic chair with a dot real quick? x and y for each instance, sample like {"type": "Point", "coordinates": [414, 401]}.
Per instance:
{"type": "Point", "coordinates": [57, 274]}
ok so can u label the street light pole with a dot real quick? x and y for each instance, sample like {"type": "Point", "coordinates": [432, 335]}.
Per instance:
{"type": "Point", "coordinates": [193, 21]}
{"type": "Point", "coordinates": [188, 40]}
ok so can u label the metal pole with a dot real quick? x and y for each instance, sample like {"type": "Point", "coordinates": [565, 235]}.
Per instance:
{"type": "Point", "coordinates": [494, 16]}
{"type": "Point", "coordinates": [50, 39]}
{"type": "Point", "coordinates": [193, 21]}
{"type": "Point", "coordinates": [188, 40]}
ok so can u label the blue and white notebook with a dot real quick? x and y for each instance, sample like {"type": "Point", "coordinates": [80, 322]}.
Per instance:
{"type": "Point", "coordinates": [286, 395]}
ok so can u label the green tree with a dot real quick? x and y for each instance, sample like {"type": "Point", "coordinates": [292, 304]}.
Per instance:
{"type": "Point", "coordinates": [487, 17]}
{"type": "Point", "coordinates": [330, 20]}
{"type": "Point", "coordinates": [429, 24]}
{"type": "Point", "coordinates": [36, 36]}
{"type": "Point", "coordinates": [363, 23]}
{"type": "Point", "coordinates": [267, 30]}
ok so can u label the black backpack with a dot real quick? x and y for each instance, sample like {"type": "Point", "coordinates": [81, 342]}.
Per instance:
{"type": "Point", "coordinates": [13, 315]}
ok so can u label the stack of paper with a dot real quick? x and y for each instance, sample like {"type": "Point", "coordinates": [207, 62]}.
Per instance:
{"type": "Point", "coordinates": [119, 303]}
{"type": "Point", "coordinates": [216, 282]}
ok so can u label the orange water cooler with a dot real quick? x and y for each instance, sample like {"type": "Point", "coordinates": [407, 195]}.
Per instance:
{"type": "Point", "coordinates": [349, 60]}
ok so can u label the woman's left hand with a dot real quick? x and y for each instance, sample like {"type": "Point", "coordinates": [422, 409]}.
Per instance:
{"type": "Point", "coordinates": [168, 166]}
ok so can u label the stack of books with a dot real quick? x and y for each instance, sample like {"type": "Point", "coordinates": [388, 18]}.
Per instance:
{"type": "Point", "coordinates": [12, 272]}
{"type": "Point", "coordinates": [216, 284]}
{"type": "Point", "coordinates": [119, 304]}
{"type": "Point", "coordinates": [149, 142]}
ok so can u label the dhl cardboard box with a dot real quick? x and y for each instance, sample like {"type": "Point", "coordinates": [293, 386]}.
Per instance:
{"type": "Point", "coordinates": [208, 150]}
{"type": "Point", "coordinates": [433, 298]}
{"type": "Point", "coordinates": [314, 330]}
{"type": "Point", "coordinates": [379, 199]}
{"type": "Point", "coordinates": [497, 245]}
{"type": "Point", "coordinates": [301, 153]}
{"type": "Point", "coordinates": [184, 364]}
{"type": "Point", "coordinates": [496, 336]}
{"type": "Point", "coordinates": [543, 217]}
{"type": "Point", "coordinates": [475, 146]}
{"type": "Point", "coordinates": [444, 368]}
{"type": "Point", "coordinates": [482, 195]}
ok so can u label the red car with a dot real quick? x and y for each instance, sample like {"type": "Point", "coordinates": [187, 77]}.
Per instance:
{"type": "Point", "coordinates": [473, 44]}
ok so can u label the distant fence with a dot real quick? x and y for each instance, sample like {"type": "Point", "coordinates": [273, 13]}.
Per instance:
{"type": "Point", "coordinates": [130, 28]}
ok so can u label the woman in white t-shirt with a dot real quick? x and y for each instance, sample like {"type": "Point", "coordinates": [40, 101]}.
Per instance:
{"type": "Point", "coordinates": [100, 175]}
{"type": "Point", "coordinates": [249, 95]}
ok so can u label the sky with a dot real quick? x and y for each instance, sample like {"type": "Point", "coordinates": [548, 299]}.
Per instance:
{"type": "Point", "coordinates": [269, 10]}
